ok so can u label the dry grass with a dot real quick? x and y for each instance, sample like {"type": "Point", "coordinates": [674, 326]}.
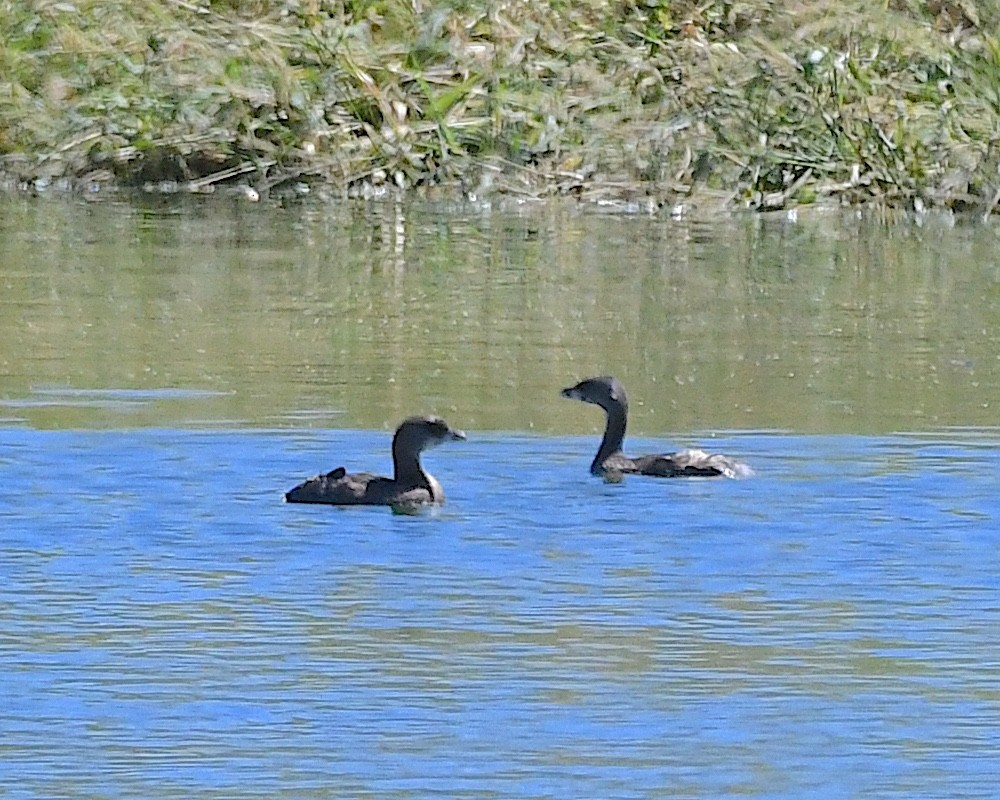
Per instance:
{"type": "Point", "coordinates": [764, 103]}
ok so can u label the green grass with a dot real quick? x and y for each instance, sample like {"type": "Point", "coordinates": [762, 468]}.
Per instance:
{"type": "Point", "coordinates": [759, 103]}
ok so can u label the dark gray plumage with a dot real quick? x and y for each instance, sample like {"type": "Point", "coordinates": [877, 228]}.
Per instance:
{"type": "Point", "coordinates": [610, 462]}
{"type": "Point", "coordinates": [410, 484]}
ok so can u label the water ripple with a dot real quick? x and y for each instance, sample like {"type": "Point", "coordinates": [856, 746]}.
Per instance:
{"type": "Point", "coordinates": [170, 627]}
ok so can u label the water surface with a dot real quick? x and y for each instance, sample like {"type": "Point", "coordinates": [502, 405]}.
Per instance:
{"type": "Point", "coordinates": [355, 316]}
{"type": "Point", "coordinates": [169, 628]}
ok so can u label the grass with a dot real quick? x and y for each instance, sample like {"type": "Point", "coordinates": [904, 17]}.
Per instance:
{"type": "Point", "coordinates": [759, 103]}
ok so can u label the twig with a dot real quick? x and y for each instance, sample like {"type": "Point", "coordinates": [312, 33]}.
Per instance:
{"type": "Point", "coordinates": [87, 137]}
{"type": "Point", "coordinates": [226, 174]}
{"type": "Point", "coordinates": [190, 7]}
{"type": "Point", "coordinates": [776, 200]}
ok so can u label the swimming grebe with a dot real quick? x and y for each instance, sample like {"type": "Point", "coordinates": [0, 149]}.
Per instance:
{"type": "Point", "coordinates": [611, 462]}
{"type": "Point", "coordinates": [409, 486]}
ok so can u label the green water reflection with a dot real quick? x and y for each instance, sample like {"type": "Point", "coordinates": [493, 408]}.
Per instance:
{"type": "Point", "coordinates": [209, 311]}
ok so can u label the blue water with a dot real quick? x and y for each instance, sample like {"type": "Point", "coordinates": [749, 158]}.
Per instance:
{"type": "Point", "coordinates": [170, 629]}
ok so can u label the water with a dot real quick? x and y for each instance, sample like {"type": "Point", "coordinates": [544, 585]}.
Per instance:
{"type": "Point", "coordinates": [356, 316]}
{"type": "Point", "coordinates": [169, 628]}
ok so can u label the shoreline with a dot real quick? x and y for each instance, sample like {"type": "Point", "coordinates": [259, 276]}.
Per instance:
{"type": "Point", "coordinates": [753, 106]}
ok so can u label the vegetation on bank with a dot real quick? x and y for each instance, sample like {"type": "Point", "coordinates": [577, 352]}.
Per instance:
{"type": "Point", "coordinates": [759, 103]}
